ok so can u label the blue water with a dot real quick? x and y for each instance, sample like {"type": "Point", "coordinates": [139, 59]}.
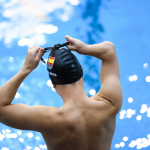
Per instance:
{"type": "Point", "coordinates": [125, 23]}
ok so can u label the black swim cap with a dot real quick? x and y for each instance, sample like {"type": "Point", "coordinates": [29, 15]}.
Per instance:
{"type": "Point", "coordinates": [63, 67]}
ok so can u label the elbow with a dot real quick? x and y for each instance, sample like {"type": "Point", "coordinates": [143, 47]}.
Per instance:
{"type": "Point", "coordinates": [110, 50]}
{"type": "Point", "coordinates": [1, 112]}
{"type": "Point", "coordinates": [110, 47]}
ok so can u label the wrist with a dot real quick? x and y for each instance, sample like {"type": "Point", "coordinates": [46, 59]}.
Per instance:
{"type": "Point", "coordinates": [83, 49]}
{"type": "Point", "coordinates": [25, 71]}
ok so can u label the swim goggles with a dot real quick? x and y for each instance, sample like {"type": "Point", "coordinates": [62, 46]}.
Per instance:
{"type": "Point", "coordinates": [57, 46]}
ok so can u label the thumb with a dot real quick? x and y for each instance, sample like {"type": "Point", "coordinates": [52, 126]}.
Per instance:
{"type": "Point", "coordinates": [40, 54]}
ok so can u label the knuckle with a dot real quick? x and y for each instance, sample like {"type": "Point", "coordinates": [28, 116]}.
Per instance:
{"type": "Point", "coordinates": [36, 61]}
{"type": "Point", "coordinates": [29, 48]}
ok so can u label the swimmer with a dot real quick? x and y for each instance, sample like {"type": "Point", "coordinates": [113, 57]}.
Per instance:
{"type": "Point", "coordinates": [81, 123]}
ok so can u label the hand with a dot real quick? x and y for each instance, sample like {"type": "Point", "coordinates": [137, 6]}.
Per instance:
{"type": "Point", "coordinates": [76, 45]}
{"type": "Point", "coordinates": [33, 58]}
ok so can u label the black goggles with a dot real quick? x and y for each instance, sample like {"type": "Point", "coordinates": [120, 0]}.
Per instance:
{"type": "Point", "coordinates": [57, 46]}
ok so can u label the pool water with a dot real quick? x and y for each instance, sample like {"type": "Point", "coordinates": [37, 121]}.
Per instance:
{"type": "Point", "coordinates": [125, 23]}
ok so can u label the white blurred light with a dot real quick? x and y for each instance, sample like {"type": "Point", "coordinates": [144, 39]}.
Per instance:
{"type": "Point", "coordinates": [142, 111]}
{"type": "Point", "coordinates": [133, 78]}
{"type": "Point", "coordinates": [74, 2]}
{"type": "Point", "coordinates": [123, 112]}
{"type": "Point", "coordinates": [148, 110]}
{"type": "Point", "coordinates": [132, 144]}
{"type": "Point", "coordinates": [36, 148]}
{"type": "Point", "coordinates": [130, 99]}
{"type": "Point", "coordinates": [145, 142]}
{"type": "Point", "coordinates": [2, 136]}
{"type": "Point", "coordinates": [3, 131]}
{"type": "Point", "coordinates": [122, 144]}
{"type": "Point", "coordinates": [43, 146]}
{"type": "Point", "coordinates": [22, 85]}
{"type": "Point", "coordinates": [139, 117]}
{"type": "Point", "coordinates": [5, 148]}
{"type": "Point", "coordinates": [125, 138]}
{"type": "Point", "coordinates": [17, 95]}
{"type": "Point", "coordinates": [117, 145]}
{"type": "Point", "coordinates": [147, 79]}
{"type": "Point", "coordinates": [7, 14]}
{"type": "Point", "coordinates": [148, 136]}
{"type": "Point", "coordinates": [92, 92]}
{"type": "Point", "coordinates": [48, 29]}
{"type": "Point", "coordinates": [121, 116]}
{"type": "Point", "coordinates": [41, 12]}
{"type": "Point", "coordinates": [129, 115]}
{"type": "Point", "coordinates": [7, 40]}
{"type": "Point", "coordinates": [53, 89]}
{"type": "Point", "coordinates": [11, 59]}
{"type": "Point", "coordinates": [144, 139]}
{"type": "Point", "coordinates": [37, 138]}
{"type": "Point", "coordinates": [38, 39]}
{"type": "Point", "coordinates": [49, 83]}
{"type": "Point", "coordinates": [145, 65]}
{"type": "Point", "coordinates": [64, 18]}
{"type": "Point", "coordinates": [29, 147]}
{"type": "Point", "coordinates": [148, 115]}
{"type": "Point", "coordinates": [19, 132]}
{"type": "Point", "coordinates": [133, 112]}
{"type": "Point", "coordinates": [138, 141]}
{"type": "Point", "coordinates": [129, 111]}
{"type": "Point", "coordinates": [12, 135]}
{"type": "Point", "coordinates": [25, 42]}
{"type": "Point", "coordinates": [139, 146]}
{"type": "Point", "coordinates": [8, 131]}
{"type": "Point", "coordinates": [130, 79]}
{"type": "Point", "coordinates": [21, 139]}
{"type": "Point", "coordinates": [148, 141]}
{"type": "Point", "coordinates": [144, 108]}
{"type": "Point", "coordinates": [30, 135]}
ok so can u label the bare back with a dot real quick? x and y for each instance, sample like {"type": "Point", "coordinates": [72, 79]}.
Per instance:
{"type": "Point", "coordinates": [82, 123]}
{"type": "Point", "coordinates": [89, 126]}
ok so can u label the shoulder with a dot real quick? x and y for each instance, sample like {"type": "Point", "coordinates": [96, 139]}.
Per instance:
{"type": "Point", "coordinates": [106, 105]}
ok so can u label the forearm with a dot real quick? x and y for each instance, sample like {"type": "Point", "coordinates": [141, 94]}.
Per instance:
{"type": "Point", "coordinates": [101, 51]}
{"type": "Point", "coordinates": [9, 89]}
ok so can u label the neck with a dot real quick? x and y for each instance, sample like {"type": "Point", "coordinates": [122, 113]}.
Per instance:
{"type": "Point", "coordinates": [72, 92]}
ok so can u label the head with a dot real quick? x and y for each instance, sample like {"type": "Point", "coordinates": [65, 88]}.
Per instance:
{"type": "Point", "coordinates": [64, 68]}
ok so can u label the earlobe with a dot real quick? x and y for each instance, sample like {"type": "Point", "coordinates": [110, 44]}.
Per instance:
{"type": "Point", "coordinates": [54, 86]}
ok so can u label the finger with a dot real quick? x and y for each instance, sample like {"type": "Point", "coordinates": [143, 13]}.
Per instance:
{"type": "Point", "coordinates": [34, 49]}
{"type": "Point", "coordinates": [42, 49]}
{"type": "Point", "coordinates": [40, 54]}
{"type": "Point", "coordinates": [68, 38]}
{"type": "Point", "coordinates": [70, 47]}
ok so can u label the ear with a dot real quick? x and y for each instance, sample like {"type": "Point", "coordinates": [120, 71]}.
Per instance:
{"type": "Point", "coordinates": [54, 86]}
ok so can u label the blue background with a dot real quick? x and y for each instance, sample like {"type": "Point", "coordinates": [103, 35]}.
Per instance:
{"type": "Point", "coordinates": [126, 23]}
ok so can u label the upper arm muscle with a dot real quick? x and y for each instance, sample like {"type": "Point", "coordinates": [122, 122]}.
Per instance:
{"type": "Point", "coordinates": [25, 117]}
{"type": "Point", "coordinates": [110, 81]}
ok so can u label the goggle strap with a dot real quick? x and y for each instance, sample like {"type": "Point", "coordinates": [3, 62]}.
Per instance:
{"type": "Point", "coordinates": [57, 46]}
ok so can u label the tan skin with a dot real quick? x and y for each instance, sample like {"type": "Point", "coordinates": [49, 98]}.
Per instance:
{"type": "Point", "coordinates": [82, 123]}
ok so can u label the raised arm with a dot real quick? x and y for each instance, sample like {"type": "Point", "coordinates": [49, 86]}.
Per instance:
{"type": "Point", "coordinates": [109, 75]}
{"type": "Point", "coordinates": [19, 115]}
